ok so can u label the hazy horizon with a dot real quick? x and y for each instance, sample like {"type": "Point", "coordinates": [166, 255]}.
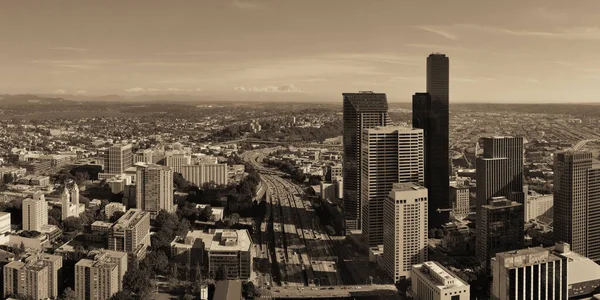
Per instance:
{"type": "Point", "coordinates": [510, 51]}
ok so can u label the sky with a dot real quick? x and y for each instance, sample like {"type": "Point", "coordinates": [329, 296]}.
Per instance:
{"type": "Point", "coordinates": [532, 51]}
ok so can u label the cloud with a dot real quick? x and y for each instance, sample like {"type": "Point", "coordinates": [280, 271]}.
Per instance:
{"type": "Point", "coordinates": [387, 58]}
{"type": "Point", "coordinates": [437, 30]}
{"type": "Point", "coordinates": [80, 92]}
{"type": "Point", "coordinates": [551, 15]}
{"type": "Point", "coordinates": [568, 33]}
{"type": "Point", "coordinates": [471, 79]}
{"type": "Point", "coordinates": [576, 33]}
{"type": "Point", "coordinates": [406, 78]}
{"type": "Point", "coordinates": [154, 90]}
{"type": "Point", "coordinates": [286, 88]}
{"type": "Point", "coordinates": [74, 49]}
{"type": "Point", "coordinates": [191, 53]}
{"type": "Point", "coordinates": [442, 48]}
{"type": "Point", "coordinates": [59, 91]}
{"type": "Point", "coordinates": [533, 80]}
{"type": "Point", "coordinates": [564, 63]}
{"type": "Point", "coordinates": [245, 4]}
{"type": "Point", "coordinates": [74, 63]}
{"type": "Point", "coordinates": [136, 90]}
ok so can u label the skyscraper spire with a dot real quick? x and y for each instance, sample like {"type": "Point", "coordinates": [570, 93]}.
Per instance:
{"type": "Point", "coordinates": [75, 198]}
{"type": "Point", "coordinates": [65, 203]}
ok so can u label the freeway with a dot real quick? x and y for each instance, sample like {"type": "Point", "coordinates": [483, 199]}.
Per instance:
{"type": "Point", "coordinates": [301, 252]}
{"type": "Point", "coordinates": [581, 144]}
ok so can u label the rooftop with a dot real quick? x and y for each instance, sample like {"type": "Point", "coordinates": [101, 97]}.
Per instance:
{"type": "Point", "coordinates": [228, 290]}
{"type": "Point", "coordinates": [367, 102]}
{"type": "Point", "coordinates": [130, 218]}
{"type": "Point", "coordinates": [230, 240]}
{"type": "Point", "coordinates": [407, 186]}
{"type": "Point", "coordinates": [525, 257]}
{"type": "Point", "coordinates": [580, 268]}
{"type": "Point", "coordinates": [500, 202]}
{"type": "Point", "coordinates": [192, 236]}
{"type": "Point", "coordinates": [439, 275]}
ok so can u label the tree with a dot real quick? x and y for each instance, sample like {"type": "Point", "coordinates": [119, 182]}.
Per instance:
{"type": "Point", "coordinates": [73, 224]}
{"type": "Point", "coordinates": [123, 295]}
{"type": "Point", "coordinates": [156, 262]}
{"type": "Point", "coordinates": [205, 214]}
{"type": "Point", "coordinates": [80, 177]}
{"type": "Point", "coordinates": [189, 211]}
{"type": "Point", "coordinates": [314, 180]}
{"type": "Point", "coordinates": [116, 215]}
{"type": "Point", "coordinates": [403, 285]}
{"type": "Point", "coordinates": [235, 218]}
{"type": "Point", "coordinates": [68, 294]}
{"type": "Point", "coordinates": [220, 273]}
{"type": "Point", "coordinates": [249, 291]}
{"type": "Point", "coordinates": [137, 281]}
{"type": "Point", "coordinates": [187, 297]}
{"type": "Point", "coordinates": [330, 230]}
{"type": "Point", "coordinates": [8, 178]}
{"type": "Point", "coordinates": [22, 247]}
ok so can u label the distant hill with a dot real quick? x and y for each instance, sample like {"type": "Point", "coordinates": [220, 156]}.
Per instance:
{"type": "Point", "coordinates": [29, 100]}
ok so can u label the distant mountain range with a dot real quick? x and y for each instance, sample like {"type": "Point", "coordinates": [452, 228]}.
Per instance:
{"type": "Point", "coordinates": [28, 99]}
{"type": "Point", "coordinates": [7, 100]}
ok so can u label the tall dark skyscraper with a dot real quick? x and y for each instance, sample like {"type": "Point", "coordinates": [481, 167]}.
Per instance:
{"type": "Point", "coordinates": [499, 175]}
{"type": "Point", "coordinates": [500, 169]}
{"type": "Point", "coordinates": [577, 202]}
{"type": "Point", "coordinates": [361, 111]}
{"type": "Point", "coordinates": [430, 113]}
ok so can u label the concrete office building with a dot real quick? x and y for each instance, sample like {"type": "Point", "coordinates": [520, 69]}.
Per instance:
{"type": "Point", "coordinates": [154, 189]}
{"type": "Point", "coordinates": [576, 208]}
{"type": "Point", "coordinates": [532, 273]}
{"type": "Point", "coordinates": [36, 276]}
{"type": "Point", "coordinates": [361, 110]}
{"type": "Point", "coordinates": [538, 205]}
{"type": "Point", "coordinates": [143, 156]}
{"type": "Point", "coordinates": [27, 279]}
{"type": "Point", "coordinates": [500, 169]}
{"type": "Point", "coordinates": [230, 250]}
{"type": "Point", "coordinates": [176, 160]}
{"type": "Point", "coordinates": [390, 155]}
{"type": "Point", "coordinates": [4, 222]}
{"type": "Point", "coordinates": [499, 174]}
{"type": "Point", "coordinates": [101, 277]}
{"type": "Point", "coordinates": [431, 113]}
{"type": "Point", "coordinates": [460, 198]}
{"type": "Point", "coordinates": [593, 215]}
{"type": "Point", "coordinates": [112, 208]}
{"type": "Point", "coordinates": [131, 234]}
{"type": "Point", "coordinates": [501, 228]}
{"type": "Point", "coordinates": [117, 158]}
{"type": "Point", "coordinates": [118, 183]}
{"type": "Point", "coordinates": [200, 174]}
{"type": "Point", "coordinates": [35, 212]}
{"type": "Point", "coordinates": [432, 281]}
{"type": "Point", "coordinates": [405, 229]}
{"type": "Point", "coordinates": [583, 275]}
